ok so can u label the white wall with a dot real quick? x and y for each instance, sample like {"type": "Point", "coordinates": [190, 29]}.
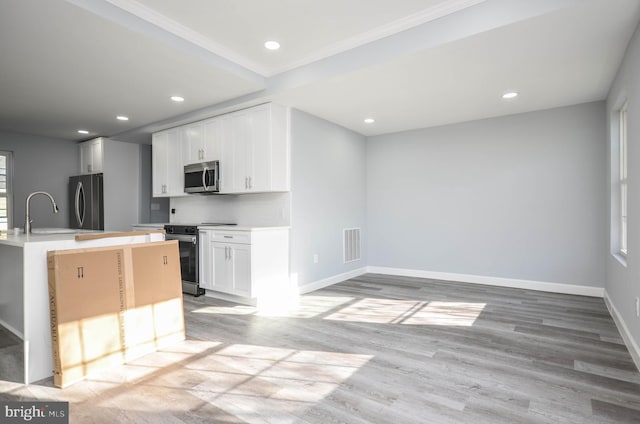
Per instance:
{"type": "Point", "coordinates": [517, 197]}
{"type": "Point", "coordinates": [41, 164]}
{"type": "Point", "coordinates": [623, 282]}
{"type": "Point", "coordinates": [327, 195]}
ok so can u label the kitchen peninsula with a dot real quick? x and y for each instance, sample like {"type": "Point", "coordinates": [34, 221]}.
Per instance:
{"type": "Point", "coordinates": [24, 293]}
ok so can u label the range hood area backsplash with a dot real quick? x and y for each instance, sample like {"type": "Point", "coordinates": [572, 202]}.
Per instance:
{"type": "Point", "coordinates": [260, 209]}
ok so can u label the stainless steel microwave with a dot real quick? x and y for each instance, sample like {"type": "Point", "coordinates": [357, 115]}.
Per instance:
{"type": "Point", "coordinates": [202, 177]}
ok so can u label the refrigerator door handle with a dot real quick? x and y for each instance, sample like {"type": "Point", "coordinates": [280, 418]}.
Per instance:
{"type": "Point", "coordinates": [80, 192]}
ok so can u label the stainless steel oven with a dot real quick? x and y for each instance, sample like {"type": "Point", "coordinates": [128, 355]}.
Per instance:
{"type": "Point", "coordinates": [188, 245]}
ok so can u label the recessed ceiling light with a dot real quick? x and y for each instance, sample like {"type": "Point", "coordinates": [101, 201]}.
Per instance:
{"type": "Point", "coordinates": [122, 118]}
{"type": "Point", "coordinates": [83, 132]}
{"type": "Point", "coordinates": [272, 45]}
{"type": "Point", "coordinates": [177, 99]}
{"type": "Point", "coordinates": [369, 120]}
{"type": "Point", "coordinates": [510, 95]}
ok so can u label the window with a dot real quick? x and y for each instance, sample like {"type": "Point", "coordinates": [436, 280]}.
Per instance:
{"type": "Point", "coordinates": [622, 179]}
{"type": "Point", "coordinates": [5, 190]}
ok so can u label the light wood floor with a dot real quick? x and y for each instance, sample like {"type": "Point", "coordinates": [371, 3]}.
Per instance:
{"type": "Point", "coordinates": [375, 349]}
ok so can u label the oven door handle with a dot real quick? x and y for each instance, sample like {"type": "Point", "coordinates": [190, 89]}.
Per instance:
{"type": "Point", "coordinates": [182, 237]}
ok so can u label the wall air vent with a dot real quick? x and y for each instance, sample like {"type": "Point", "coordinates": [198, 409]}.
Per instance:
{"type": "Point", "coordinates": [351, 244]}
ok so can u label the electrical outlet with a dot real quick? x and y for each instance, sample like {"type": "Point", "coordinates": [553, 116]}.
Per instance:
{"type": "Point", "coordinates": [638, 307]}
{"type": "Point", "coordinates": [315, 258]}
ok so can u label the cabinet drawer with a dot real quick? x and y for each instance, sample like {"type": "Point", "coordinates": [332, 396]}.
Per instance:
{"type": "Point", "coordinates": [232, 236]}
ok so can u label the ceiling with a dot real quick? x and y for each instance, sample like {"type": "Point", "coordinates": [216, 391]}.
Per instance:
{"type": "Point", "coordinates": [77, 64]}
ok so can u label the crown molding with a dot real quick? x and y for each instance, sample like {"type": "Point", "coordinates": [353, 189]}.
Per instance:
{"type": "Point", "coordinates": [173, 27]}
{"type": "Point", "coordinates": [391, 28]}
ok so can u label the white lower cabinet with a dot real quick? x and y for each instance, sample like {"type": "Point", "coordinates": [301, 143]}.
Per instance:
{"type": "Point", "coordinates": [232, 270]}
{"type": "Point", "coordinates": [244, 263]}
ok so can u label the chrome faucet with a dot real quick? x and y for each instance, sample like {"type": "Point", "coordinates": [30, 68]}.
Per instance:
{"type": "Point", "coordinates": [27, 218]}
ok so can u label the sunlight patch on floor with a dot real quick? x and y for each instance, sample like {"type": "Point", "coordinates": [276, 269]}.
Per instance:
{"type": "Point", "coordinates": [253, 382]}
{"type": "Point", "coordinates": [248, 382]}
{"type": "Point", "coordinates": [371, 310]}
{"type": "Point", "coordinates": [303, 307]}
{"type": "Point", "coordinates": [410, 312]}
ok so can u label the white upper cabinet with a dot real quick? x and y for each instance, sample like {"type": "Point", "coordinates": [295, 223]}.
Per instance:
{"type": "Point", "coordinates": [201, 141]}
{"type": "Point", "coordinates": [191, 142]}
{"type": "Point", "coordinates": [167, 168]}
{"type": "Point", "coordinates": [255, 150]}
{"type": "Point", "coordinates": [91, 156]}
{"type": "Point", "coordinates": [252, 146]}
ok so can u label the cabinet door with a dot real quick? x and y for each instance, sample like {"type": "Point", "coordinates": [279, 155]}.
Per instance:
{"type": "Point", "coordinates": [240, 259]}
{"type": "Point", "coordinates": [241, 140]}
{"type": "Point", "coordinates": [192, 143]}
{"type": "Point", "coordinates": [206, 265]}
{"type": "Point", "coordinates": [233, 175]}
{"type": "Point", "coordinates": [159, 155]}
{"type": "Point", "coordinates": [91, 157]}
{"type": "Point", "coordinates": [167, 168]}
{"type": "Point", "coordinates": [222, 272]}
{"type": "Point", "coordinates": [213, 135]}
{"type": "Point", "coordinates": [175, 177]}
{"type": "Point", "coordinates": [232, 268]}
{"type": "Point", "coordinates": [258, 150]}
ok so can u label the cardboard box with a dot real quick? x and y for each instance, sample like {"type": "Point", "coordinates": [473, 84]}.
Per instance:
{"type": "Point", "coordinates": [112, 304]}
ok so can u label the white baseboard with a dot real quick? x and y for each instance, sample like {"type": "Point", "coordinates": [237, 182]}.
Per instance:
{"type": "Point", "coordinates": [317, 285]}
{"type": "Point", "coordinates": [629, 341]}
{"type": "Point", "coordinates": [492, 281]}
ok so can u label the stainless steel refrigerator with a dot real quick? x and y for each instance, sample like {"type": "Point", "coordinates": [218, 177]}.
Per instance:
{"type": "Point", "coordinates": [86, 202]}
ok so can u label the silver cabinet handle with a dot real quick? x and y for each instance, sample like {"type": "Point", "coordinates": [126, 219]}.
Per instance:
{"type": "Point", "coordinates": [250, 183]}
{"type": "Point", "coordinates": [228, 236]}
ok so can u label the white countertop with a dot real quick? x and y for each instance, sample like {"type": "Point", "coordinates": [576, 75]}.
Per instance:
{"type": "Point", "coordinates": [241, 227]}
{"type": "Point", "coordinates": [21, 239]}
{"type": "Point", "coordinates": [48, 235]}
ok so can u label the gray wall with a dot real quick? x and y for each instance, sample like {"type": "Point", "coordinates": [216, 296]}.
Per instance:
{"type": "Point", "coordinates": [520, 197]}
{"type": "Point", "coordinates": [41, 164]}
{"type": "Point", "coordinates": [327, 195]}
{"type": "Point", "coordinates": [623, 282]}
